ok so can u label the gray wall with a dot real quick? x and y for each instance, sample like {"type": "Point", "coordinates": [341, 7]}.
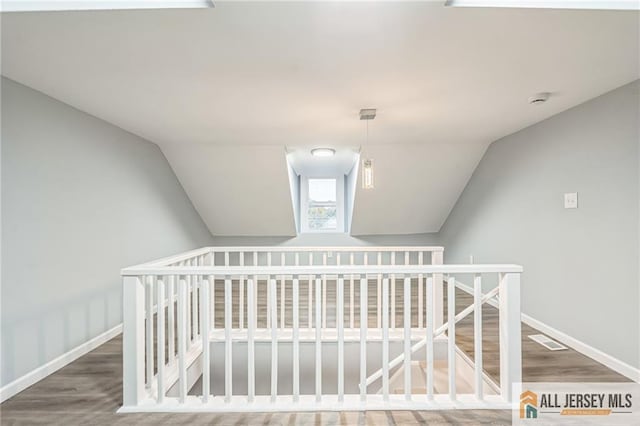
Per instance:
{"type": "Point", "coordinates": [581, 266]}
{"type": "Point", "coordinates": [80, 200]}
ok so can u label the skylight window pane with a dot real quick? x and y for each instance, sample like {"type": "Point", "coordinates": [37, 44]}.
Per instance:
{"type": "Point", "coordinates": [322, 218]}
{"type": "Point", "coordinates": [322, 207]}
{"type": "Point", "coordinates": [322, 190]}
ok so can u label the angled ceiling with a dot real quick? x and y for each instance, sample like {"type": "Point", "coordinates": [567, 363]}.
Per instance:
{"type": "Point", "coordinates": [224, 90]}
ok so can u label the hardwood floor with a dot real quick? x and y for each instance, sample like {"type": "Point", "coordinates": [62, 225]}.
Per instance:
{"type": "Point", "coordinates": [89, 390]}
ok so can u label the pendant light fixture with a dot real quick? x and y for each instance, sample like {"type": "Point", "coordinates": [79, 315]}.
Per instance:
{"type": "Point", "coordinates": [367, 163]}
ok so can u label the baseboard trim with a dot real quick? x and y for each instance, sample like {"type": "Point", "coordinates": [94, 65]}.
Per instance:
{"type": "Point", "coordinates": [34, 376]}
{"type": "Point", "coordinates": [605, 359]}
{"type": "Point", "coordinates": [596, 354]}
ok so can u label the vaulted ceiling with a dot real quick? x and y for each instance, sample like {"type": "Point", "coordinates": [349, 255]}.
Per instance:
{"type": "Point", "coordinates": [223, 91]}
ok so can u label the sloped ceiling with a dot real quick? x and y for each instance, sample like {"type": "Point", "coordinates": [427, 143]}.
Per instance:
{"type": "Point", "coordinates": [224, 90]}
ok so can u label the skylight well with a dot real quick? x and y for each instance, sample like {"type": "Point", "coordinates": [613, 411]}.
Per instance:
{"type": "Point", "coordinates": [323, 188]}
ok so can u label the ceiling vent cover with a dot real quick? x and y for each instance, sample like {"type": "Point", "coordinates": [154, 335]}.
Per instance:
{"type": "Point", "coordinates": [539, 98]}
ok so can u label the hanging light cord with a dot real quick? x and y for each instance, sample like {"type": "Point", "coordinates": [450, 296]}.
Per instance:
{"type": "Point", "coordinates": [367, 138]}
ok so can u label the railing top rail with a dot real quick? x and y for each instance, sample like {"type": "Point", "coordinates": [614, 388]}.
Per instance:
{"type": "Point", "coordinates": [281, 249]}
{"type": "Point", "coordinates": [177, 257]}
{"type": "Point", "coordinates": [319, 270]}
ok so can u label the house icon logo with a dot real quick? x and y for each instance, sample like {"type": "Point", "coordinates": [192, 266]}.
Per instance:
{"type": "Point", "coordinates": [528, 405]}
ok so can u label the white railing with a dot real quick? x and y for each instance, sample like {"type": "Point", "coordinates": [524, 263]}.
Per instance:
{"type": "Point", "coordinates": [171, 332]}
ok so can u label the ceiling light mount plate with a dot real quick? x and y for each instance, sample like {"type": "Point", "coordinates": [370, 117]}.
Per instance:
{"type": "Point", "coordinates": [367, 114]}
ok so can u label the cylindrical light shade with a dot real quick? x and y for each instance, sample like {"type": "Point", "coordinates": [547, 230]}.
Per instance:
{"type": "Point", "coordinates": [367, 174]}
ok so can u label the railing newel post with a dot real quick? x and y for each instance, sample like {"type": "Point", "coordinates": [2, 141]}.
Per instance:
{"type": "Point", "coordinates": [510, 333]}
{"type": "Point", "coordinates": [133, 348]}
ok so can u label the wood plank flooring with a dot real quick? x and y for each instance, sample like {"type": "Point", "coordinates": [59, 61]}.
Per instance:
{"type": "Point", "coordinates": [89, 390]}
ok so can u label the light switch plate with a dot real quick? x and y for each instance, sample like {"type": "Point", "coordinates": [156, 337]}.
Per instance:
{"type": "Point", "coordinates": [571, 200]}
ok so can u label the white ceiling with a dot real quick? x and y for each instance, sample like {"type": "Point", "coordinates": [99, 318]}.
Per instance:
{"type": "Point", "coordinates": [224, 90]}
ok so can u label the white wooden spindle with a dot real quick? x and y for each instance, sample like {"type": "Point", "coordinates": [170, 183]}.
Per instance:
{"type": "Point", "coordinates": [296, 338]}
{"type": "Point", "coordinates": [171, 323]}
{"type": "Point", "coordinates": [379, 295]}
{"type": "Point", "coordinates": [241, 295]}
{"type": "Point", "coordinates": [324, 293]}
{"type": "Point", "coordinates": [351, 293]}
{"type": "Point", "coordinates": [451, 336]}
{"type": "Point", "coordinates": [269, 305]}
{"type": "Point", "coordinates": [438, 288]}
{"type": "Point", "coordinates": [228, 349]}
{"type": "Point", "coordinates": [183, 321]}
{"type": "Point", "coordinates": [227, 262]}
{"type": "Point", "coordinates": [363, 337]}
{"type": "Point", "coordinates": [429, 325]}
{"type": "Point", "coordinates": [510, 329]}
{"type": "Point", "coordinates": [420, 292]}
{"type": "Point", "coordinates": [133, 338]}
{"type": "Point", "coordinates": [205, 322]}
{"type": "Point", "coordinates": [257, 287]}
{"type": "Point", "coordinates": [188, 280]}
{"type": "Point", "coordinates": [149, 331]}
{"type": "Point", "coordinates": [385, 338]}
{"type": "Point", "coordinates": [194, 302]}
{"type": "Point", "coordinates": [340, 327]}
{"type": "Point", "coordinates": [310, 294]}
{"type": "Point", "coordinates": [212, 302]}
{"type": "Point", "coordinates": [251, 327]}
{"type": "Point", "coordinates": [274, 340]}
{"type": "Point", "coordinates": [297, 263]}
{"type": "Point", "coordinates": [393, 292]}
{"type": "Point", "coordinates": [282, 292]}
{"type": "Point", "coordinates": [318, 342]}
{"type": "Point", "coordinates": [407, 338]}
{"type": "Point", "coordinates": [160, 340]}
{"type": "Point", "coordinates": [194, 306]}
{"type": "Point", "coordinates": [406, 258]}
{"type": "Point", "coordinates": [477, 334]}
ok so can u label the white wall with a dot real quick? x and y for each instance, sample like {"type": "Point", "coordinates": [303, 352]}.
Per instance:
{"type": "Point", "coordinates": [80, 200]}
{"type": "Point", "coordinates": [581, 266]}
